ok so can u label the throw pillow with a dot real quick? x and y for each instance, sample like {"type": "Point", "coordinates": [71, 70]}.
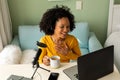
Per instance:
{"type": "Point", "coordinates": [28, 56]}
{"type": "Point", "coordinates": [11, 54]}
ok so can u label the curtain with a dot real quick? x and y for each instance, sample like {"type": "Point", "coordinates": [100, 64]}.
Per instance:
{"type": "Point", "coordinates": [5, 24]}
{"type": "Point", "coordinates": [1, 47]}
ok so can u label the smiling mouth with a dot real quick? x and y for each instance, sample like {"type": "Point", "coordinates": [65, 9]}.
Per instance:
{"type": "Point", "coordinates": [64, 35]}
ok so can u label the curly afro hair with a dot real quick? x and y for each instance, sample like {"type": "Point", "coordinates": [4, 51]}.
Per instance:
{"type": "Point", "coordinates": [48, 21]}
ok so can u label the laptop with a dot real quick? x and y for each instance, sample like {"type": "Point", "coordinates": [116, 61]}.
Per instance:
{"type": "Point", "coordinates": [92, 66]}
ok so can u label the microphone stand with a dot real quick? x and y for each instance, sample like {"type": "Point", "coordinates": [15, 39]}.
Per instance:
{"type": "Point", "coordinates": [35, 71]}
{"type": "Point", "coordinates": [37, 68]}
{"type": "Point", "coordinates": [35, 61]}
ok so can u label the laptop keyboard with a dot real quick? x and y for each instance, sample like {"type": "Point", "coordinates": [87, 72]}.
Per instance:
{"type": "Point", "coordinates": [76, 75]}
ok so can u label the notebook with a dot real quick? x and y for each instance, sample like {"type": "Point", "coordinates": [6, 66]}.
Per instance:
{"type": "Point", "coordinates": [92, 66]}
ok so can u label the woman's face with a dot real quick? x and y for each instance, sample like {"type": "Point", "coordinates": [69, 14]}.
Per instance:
{"type": "Point", "coordinates": [62, 28]}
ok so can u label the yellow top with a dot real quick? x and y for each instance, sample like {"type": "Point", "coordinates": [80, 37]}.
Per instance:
{"type": "Point", "coordinates": [71, 42]}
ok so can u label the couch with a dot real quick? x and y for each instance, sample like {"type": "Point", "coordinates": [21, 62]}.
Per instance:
{"type": "Point", "coordinates": [23, 48]}
{"type": "Point", "coordinates": [29, 34]}
{"type": "Point", "coordinates": [114, 39]}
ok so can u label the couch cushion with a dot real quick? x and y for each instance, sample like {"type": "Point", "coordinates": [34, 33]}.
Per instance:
{"type": "Point", "coordinates": [84, 51]}
{"type": "Point", "coordinates": [81, 32]}
{"type": "Point", "coordinates": [28, 35]}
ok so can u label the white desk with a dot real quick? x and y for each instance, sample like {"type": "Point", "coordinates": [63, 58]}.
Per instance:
{"type": "Point", "coordinates": [27, 71]}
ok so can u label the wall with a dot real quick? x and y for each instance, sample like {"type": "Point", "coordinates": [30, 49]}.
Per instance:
{"type": "Point", "coordinates": [117, 1]}
{"type": "Point", "coordinates": [95, 12]}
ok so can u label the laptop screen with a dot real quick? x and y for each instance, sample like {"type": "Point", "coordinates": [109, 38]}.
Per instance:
{"type": "Point", "coordinates": [96, 64]}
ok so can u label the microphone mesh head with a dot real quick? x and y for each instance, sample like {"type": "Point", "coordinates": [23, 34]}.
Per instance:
{"type": "Point", "coordinates": [40, 44]}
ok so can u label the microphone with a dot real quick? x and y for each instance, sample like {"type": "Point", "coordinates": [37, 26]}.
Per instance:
{"type": "Point", "coordinates": [35, 61]}
{"type": "Point", "coordinates": [36, 57]}
{"type": "Point", "coordinates": [40, 44]}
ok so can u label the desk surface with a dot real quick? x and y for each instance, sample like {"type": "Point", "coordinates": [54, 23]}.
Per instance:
{"type": "Point", "coordinates": [27, 71]}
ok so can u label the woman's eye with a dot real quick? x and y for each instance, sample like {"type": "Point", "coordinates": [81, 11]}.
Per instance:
{"type": "Point", "coordinates": [68, 26]}
{"type": "Point", "coordinates": [62, 27]}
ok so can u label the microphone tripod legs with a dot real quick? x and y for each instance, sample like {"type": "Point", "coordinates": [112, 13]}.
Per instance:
{"type": "Point", "coordinates": [34, 73]}
{"type": "Point", "coordinates": [44, 69]}
{"type": "Point", "coordinates": [36, 70]}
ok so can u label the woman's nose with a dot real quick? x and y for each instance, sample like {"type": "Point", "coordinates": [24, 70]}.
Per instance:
{"type": "Point", "coordinates": [66, 29]}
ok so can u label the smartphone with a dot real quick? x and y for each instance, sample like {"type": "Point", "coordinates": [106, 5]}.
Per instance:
{"type": "Point", "coordinates": [53, 76]}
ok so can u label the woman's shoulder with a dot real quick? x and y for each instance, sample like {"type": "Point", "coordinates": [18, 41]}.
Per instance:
{"type": "Point", "coordinates": [71, 36]}
{"type": "Point", "coordinates": [45, 37]}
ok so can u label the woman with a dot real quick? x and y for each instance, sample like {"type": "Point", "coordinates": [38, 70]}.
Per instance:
{"type": "Point", "coordinates": [56, 23]}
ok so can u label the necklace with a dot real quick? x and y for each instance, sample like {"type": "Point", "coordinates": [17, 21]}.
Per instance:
{"type": "Point", "coordinates": [57, 41]}
{"type": "Point", "coordinates": [52, 39]}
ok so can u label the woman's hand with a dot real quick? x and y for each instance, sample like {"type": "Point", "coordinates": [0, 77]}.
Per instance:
{"type": "Point", "coordinates": [61, 47]}
{"type": "Point", "coordinates": [46, 60]}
